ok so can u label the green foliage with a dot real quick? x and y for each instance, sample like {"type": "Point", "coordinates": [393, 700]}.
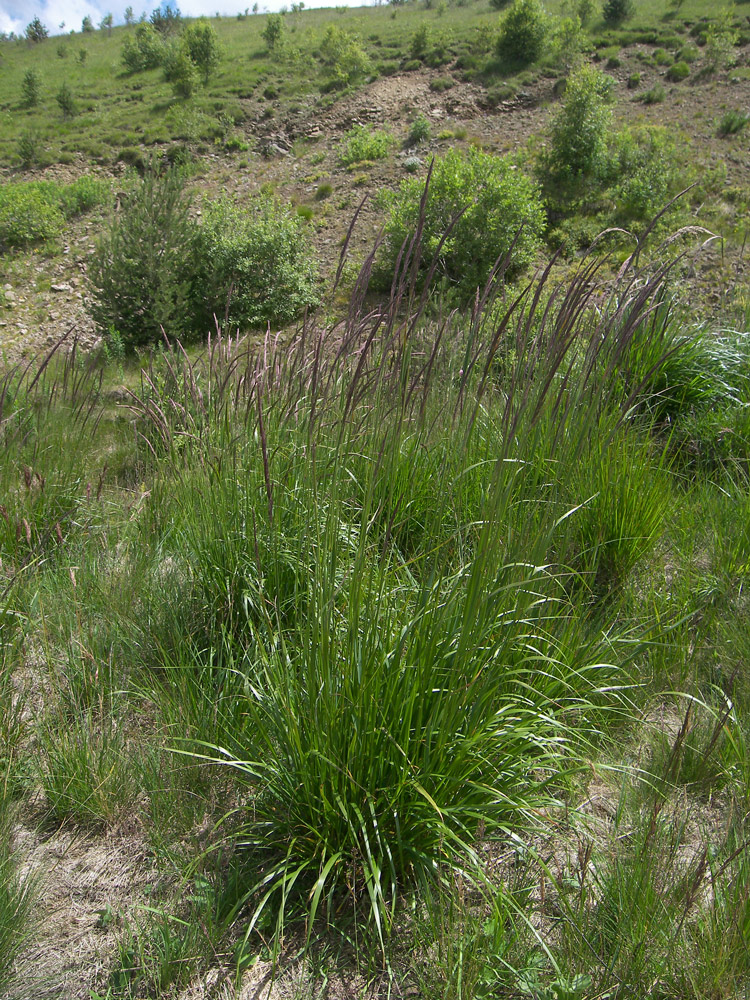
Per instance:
{"type": "Point", "coordinates": [419, 130]}
{"type": "Point", "coordinates": [502, 214]}
{"type": "Point", "coordinates": [143, 50]}
{"type": "Point", "coordinates": [35, 211]}
{"type": "Point", "coordinates": [420, 41]}
{"type": "Point", "coordinates": [273, 32]}
{"type": "Point", "coordinates": [87, 25]}
{"type": "Point", "coordinates": [678, 71]}
{"type": "Point", "coordinates": [644, 159]}
{"type": "Point", "coordinates": [31, 88]}
{"type": "Point", "coordinates": [142, 270]}
{"type": "Point", "coordinates": [566, 41]}
{"type": "Point", "coordinates": [580, 128]}
{"type": "Point", "coordinates": [523, 31]}
{"type": "Point", "coordinates": [732, 122]}
{"type": "Point", "coordinates": [253, 267]}
{"type": "Point", "coordinates": [29, 147]}
{"type": "Point", "coordinates": [179, 70]}
{"type": "Point", "coordinates": [343, 56]}
{"type": "Point", "coordinates": [166, 19]}
{"type": "Point", "coordinates": [363, 143]}
{"type": "Point", "coordinates": [18, 895]}
{"type": "Point", "coordinates": [28, 215]}
{"type": "Point", "coordinates": [66, 101]}
{"type": "Point", "coordinates": [721, 38]}
{"type": "Point", "coordinates": [36, 31]}
{"type": "Point", "coordinates": [655, 95]}
{"type": "Point", "coordinates": [617, 11]}
{"type": "Point", "coordinates": [202, 45]}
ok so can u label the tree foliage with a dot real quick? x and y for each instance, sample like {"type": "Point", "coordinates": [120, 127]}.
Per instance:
{"type": "Point", "coordinates": [202, 46]}
{"type": "Point", "coordinates": [580, 129]}
{"type": "Point", "coordinates": [487, 208]}
{"type": "Point", "coordinates": [36, 31]}
{"type": "Point", "coordinates": [523, 31]}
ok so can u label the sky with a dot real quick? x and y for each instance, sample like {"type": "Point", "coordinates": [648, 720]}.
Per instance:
{"type": "Point", "coordinates": [16, 14]}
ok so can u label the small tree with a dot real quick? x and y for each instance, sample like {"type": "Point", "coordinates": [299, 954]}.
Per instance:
{"type": "Point", "coordinates": [721, 39]}
{"type": "Point", "coordinates": [36, 31]}
{"type": "Point", "coordinates": [617, 11]}
{"type": "Point", "coordinates": [343, 55]}
{"type": "Point", "coordinates": [65, 99]}
{"type": "Point", "coordinates": [522, 32]}
{"type": "Point", "coordinates": [129, 16]}
{"type": "Point", "coordinates": [143, 50]}
{"type": "Point", "coordinates": [166, 18]}
{"type": "Point", "coordinates": [273, 31]}
{"type": "Point", "coordinates": [87, 25]}
{"type": "Point", "coordinates": [143, 267]}
{"type": "Point", "coordinates": [202, 45]}
{"type": "Point", "coordinates": [31, 88]}
{"type": "Point", "coordinates": [180, 71]}
{"type": "Point", "coordinates": [581, 127]}
{"type": "Point", "coordinates": [106, 24]}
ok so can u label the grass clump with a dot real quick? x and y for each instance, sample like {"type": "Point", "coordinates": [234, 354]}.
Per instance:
{"type": "Point", "coordinates": [732, 122]}
{"type": "Point", "coordinates": [363, 143]}
{"type": "Point", "coordinates": [678, 71]}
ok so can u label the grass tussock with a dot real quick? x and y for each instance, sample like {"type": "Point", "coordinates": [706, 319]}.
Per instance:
{"type": "Point", "coordinates": [352, 623]}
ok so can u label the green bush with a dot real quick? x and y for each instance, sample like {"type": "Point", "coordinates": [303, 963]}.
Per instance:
{"type": "Point", "coordinates": [141, 273]}
{"type": "Point", "coordinates": [678, 71]}
{"type": "Point", "coordinates": [31, 88]}
{"type": "Point", "coordinates": [180, 71]}
{"type": "Point", "coordinates": [419, 130]}
{"type": "Point", "coordinates": [645, 161]}
{"type": "Point", "coordinates": [343, 57]}
{"type": "Point", "coordinates": [143, 50]}
{"type": "Point", "coordinates": [202, 45]}
{"type": "Point", "coordinates": [522, 32]}
{"type": "Point", "coordinates": [253, 267]}
{"type": "Point", "coordinates": [617, 11]}
{"type": "Point", "coordinates": [580, 129]}
{"type": "Point", "coordinates": [363, 142]}
{"type": "Point", "coordinates": [66, 101]}
{"type": "Point", "coordinates": [273, 32]}
{"type": "Point", "coordinates": [28, 147]}
{"type": "Point", "coordinates": [501, 210]}
{"type": "Point", "coordinates": [28, 215]}
{"type": "Point", "coordinates": [655, 95]}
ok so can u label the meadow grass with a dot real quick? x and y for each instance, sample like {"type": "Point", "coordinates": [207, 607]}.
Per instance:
{"type": "Point", "coordinates": [358, 625]}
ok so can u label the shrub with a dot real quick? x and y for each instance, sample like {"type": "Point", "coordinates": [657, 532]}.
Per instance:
{"type": "Point", "coordinates": [343, 56]}
{"type": "Point", "coordinates": [501, 209]}
{"type": "Point", "coordinates": [36, 31]}
{"type": "Point", "coordinates": [166, 19]}
{"type": "Point", "coordinates": [28, 215]}
{"type": "Point", "coordinates": [273, 31]}
{"type": "Point", "coordinates": [617, 11]}
{"type": "Point", "coordinates": [419, 130]}
{"type": "Point", "coordinates": [143, 50]}
{"type": "Point", "coordinates": [580, 128]}
{"type": "Point", "coordinates": [655, 95]}
{"type": "Point", "coordinates": [180, 71]}
{"type": "Point", "coordinates": [253, 268]}
{"type": "Point", "coordinates": [419, 42]}
{"type": "Point", "coordinates": [202, 45]}
{"type": "Point", "coordinates": [324, 191]}
{"type": "Point", "coordinates": [522, 32]}
{"type": "Point", "coordinates": [634, 81]}
{"type": "Point", "coordinates": [678, 71]}
{"type": "Point", "coordinates": [28, 148]}
{"type": "Point", "coordinates": [567, 41]}
{"type": "Point", "coordinates": [87, 25]}
{"type": "Point", "coordinates": [30, 88]}
{"type": "Point", "coordinates": [363, 142]}
{"type": "Point", "coordinates": [66, 101]}
{"type": "Point", "coordinates": [142, 270]}
{"type": "Point", "coordinates": [441, 84]}
{"type": "Point", "coordinates": [721, 37]}
{"type": "Point", "coordinates": [645, 162]}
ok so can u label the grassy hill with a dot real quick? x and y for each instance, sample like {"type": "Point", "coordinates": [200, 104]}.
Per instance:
{"type": "Point", "coordinates": [392, 640]}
